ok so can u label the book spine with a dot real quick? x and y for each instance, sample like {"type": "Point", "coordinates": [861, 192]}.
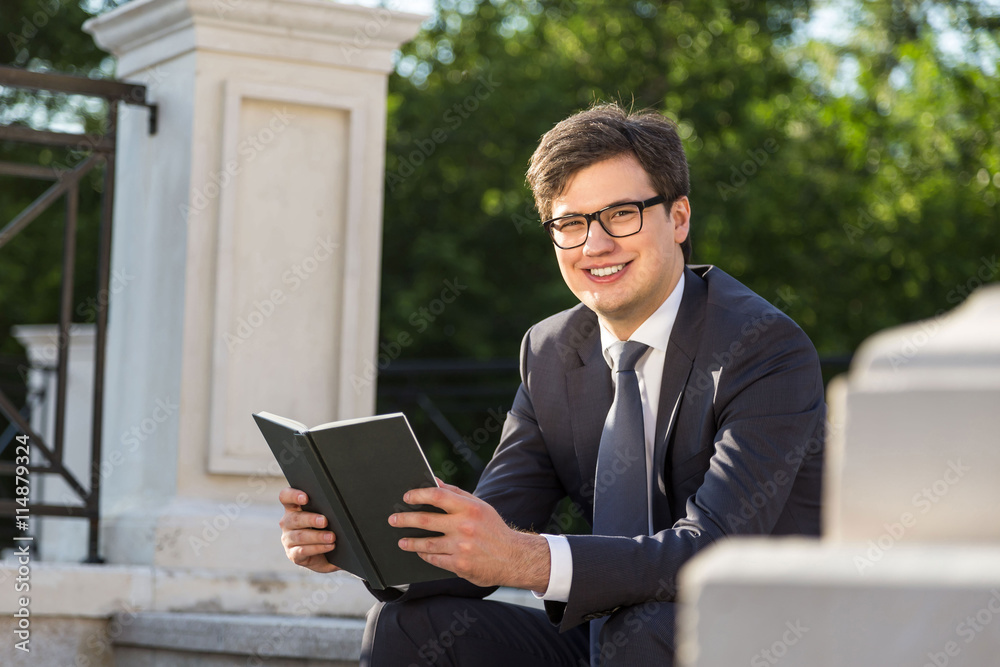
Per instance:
{"type": "Point", "coordinates": [372, 574]}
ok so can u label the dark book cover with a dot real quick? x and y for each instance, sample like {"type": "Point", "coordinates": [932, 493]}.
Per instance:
{"type": "Point", "coordinates": [355, 473]}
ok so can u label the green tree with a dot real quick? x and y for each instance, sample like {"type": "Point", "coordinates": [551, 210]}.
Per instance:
{"type": "Point", "coordinates": [46, 35]}
{"type": "Point", "coordinates": [480, 86]}
{"type": "Point", "coordinates": [852, 182]}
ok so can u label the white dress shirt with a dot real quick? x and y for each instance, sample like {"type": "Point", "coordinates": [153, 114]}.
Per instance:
{"type": "Point", "coordinates": [654, 332]}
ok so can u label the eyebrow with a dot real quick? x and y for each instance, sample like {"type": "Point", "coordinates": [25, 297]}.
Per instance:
{"type": "Point", "coordinates": [623, 200]}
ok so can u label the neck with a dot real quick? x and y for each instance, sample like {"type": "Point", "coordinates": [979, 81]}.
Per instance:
{"type": "Point", "coordinates": [623, 325]}
{"type": "Point", "coordinates": [622, 330]}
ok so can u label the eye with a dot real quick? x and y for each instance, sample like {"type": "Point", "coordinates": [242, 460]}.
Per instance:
{"type": "Point", "coordinates": [622, 213]}
{"type": "Point", "coordinates": [569, 224]}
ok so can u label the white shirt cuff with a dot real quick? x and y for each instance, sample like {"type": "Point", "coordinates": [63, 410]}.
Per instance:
{"type": "Point", "coordinates": [560, 569]}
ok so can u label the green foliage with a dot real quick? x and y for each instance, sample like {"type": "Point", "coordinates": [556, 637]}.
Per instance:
{"type": "Point", "coordinates": [45, 35]}
{"type": "Point", "coordinates": [850, 179]}
{"type": "Point", "coordinates": [854, 202]}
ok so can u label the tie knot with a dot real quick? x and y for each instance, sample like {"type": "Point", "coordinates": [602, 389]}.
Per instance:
{"type": "Point", "coordinates": [626, 355]}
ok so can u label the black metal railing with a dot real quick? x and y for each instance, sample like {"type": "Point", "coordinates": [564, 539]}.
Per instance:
{"type": "Point", "coordinates": [456, 406]}
{"type": "Point", "coordinates": [93, 150]}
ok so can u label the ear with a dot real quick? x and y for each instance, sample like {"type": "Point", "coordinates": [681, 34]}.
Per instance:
{"type": "Point", "coordinates": [680, 217]}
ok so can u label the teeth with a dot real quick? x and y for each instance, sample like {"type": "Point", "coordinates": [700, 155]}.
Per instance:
{"type": "Point", "coordinates": [607, 270]}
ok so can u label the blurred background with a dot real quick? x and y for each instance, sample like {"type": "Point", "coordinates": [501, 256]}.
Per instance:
{"type": "Point", "coordinates": [845, 165]}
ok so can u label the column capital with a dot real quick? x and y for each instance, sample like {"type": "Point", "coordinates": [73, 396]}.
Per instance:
{"type": "Point", "coordinates": [144, 32]}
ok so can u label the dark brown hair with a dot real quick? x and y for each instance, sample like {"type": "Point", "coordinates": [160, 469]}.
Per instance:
{"type": "Point", "coordinates": [603, 132]}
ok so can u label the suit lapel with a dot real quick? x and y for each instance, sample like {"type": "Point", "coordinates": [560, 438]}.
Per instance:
{"type": "Point", "coordinates": [677, 364]}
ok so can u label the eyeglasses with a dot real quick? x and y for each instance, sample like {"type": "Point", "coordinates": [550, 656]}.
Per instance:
{"type": "Point", "coordinates": [618, 220]}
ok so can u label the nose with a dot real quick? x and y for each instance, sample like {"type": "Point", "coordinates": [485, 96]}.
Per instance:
{"type": "Point", "coordinates": [598, 242]}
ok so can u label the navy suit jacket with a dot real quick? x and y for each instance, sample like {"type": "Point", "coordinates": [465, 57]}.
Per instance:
{"type": "Point", "coordinates": [738, 445]}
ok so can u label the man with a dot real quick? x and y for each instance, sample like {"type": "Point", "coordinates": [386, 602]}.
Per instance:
{"type": "Point", "coordinates": [673, 406]}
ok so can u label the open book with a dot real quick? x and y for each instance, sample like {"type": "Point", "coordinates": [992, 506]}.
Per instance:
{"type": "Point", "coordinates": [355, 473]}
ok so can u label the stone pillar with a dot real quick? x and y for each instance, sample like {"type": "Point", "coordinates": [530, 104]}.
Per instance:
{"type": "Point", "coordinates": [906, 572]}
{"type": "Point", "coordinates": [921, 429]}
{"type": "Point", "coordinates": [250, 224]}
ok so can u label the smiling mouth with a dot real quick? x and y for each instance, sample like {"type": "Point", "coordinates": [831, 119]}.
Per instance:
{"type": "Point", "coordinates": [607, 270]}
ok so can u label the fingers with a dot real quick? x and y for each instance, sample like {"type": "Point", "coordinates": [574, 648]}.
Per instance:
{"type": "Point", "coordinates": [320, 564]}
{"type": "Point", "coordinates": [301, 535]}
{"type": "Point", "coordinates": [292, 498]}
{"type": "Point", "coordinates": [426, 520]}
{"type": "Point", "coordinates": [309, 547]}
{"type": "Point", "coordinates": [297, 519]}
{"type": "Point", "coordinates": [447, 497]}
{"type": "Point", "coordinates": [308, 538]}
{"type": "Point", "coordinates": [426, 545]}
{"type": "Point", "coordinates": [308, 557]}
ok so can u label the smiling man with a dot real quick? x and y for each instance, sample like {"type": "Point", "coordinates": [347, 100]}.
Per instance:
{"type": "Point", "coordinates": [673, 406]}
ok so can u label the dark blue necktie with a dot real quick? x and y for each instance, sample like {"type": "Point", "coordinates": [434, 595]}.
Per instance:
{"type": "Point", "coordinates": [620, 503]}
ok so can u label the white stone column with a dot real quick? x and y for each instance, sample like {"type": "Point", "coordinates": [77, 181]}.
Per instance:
{"type": "Point", "coordinates": [251, 226]}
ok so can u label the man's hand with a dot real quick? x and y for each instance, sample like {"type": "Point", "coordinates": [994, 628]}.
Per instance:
{"type": "Point", "coordinates": [476, 544]}
{"type": "Point", "coordinates": [304, 544]}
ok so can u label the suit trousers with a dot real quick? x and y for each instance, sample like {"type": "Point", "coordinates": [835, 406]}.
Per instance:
{"type": "Point", "coordinates": [446, 631]}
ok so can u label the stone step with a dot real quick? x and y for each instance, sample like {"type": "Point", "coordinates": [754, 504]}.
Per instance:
{"type": "Point", "coordinates": [162, 639]}
{"type": "Point", "coordinates": [808, 603]}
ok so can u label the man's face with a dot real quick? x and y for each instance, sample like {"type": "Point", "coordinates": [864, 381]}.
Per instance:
{"type": "Point", "coordinates": [645, 266]}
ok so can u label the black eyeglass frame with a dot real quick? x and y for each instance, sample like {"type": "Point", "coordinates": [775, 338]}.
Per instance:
{"type": "Point", "coordinates": [596, 215]}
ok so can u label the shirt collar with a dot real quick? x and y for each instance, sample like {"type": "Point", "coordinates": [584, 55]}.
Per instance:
{"type": "Point", "coordinates": [655, 331]}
